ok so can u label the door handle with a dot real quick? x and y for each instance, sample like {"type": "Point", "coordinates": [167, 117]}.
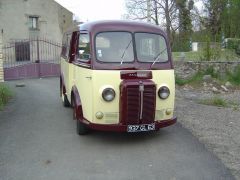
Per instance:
{"type": "Point", "coordinates": [89, 77]}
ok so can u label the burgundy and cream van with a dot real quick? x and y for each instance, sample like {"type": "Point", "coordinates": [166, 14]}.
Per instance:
{"type": "Point", "coordinates": [118, 76]}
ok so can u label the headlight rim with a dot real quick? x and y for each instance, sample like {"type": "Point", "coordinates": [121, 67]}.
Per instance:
{"type": "Point", "coordinates": [163, 88]}
{"type": "Point", "coordinates": [104, 92]}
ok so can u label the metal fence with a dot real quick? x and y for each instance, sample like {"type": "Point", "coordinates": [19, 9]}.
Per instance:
{"type": "Point", "coordinates": [31, 58]}
{"type": "Point", "coordinates": [19, 52]}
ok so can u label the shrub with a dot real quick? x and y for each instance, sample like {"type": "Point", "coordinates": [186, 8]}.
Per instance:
{"type": "Point", "coordinates": [210, 52]}
{"type": "Point", "coordinates": [238, 50]}
{"type": "Point", "coordinates": [5, 95]}
{"type": "Point", "coordinates": [232, 43]}
{"type": "Point", "coordinates": [234, 77]}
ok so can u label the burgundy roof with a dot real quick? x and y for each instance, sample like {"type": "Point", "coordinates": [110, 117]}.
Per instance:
{"type": "Point", "coordinates": [120, 25]}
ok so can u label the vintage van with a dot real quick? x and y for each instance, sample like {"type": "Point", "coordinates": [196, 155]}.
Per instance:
{"type": "Point", "coordinates": [118, 76]}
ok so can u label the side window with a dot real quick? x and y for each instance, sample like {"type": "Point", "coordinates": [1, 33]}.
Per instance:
{"type": "Point", "coordinates": [83, 51]}
{"type": "Point", "coordinates": [68, 45]}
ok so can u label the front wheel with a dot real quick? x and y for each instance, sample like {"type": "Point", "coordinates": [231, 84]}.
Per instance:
{"type": "Point", "coordinates": [81, 128]}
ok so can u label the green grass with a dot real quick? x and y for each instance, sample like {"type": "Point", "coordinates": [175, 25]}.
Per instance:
{"type": "Point", "coordinates": [5, 95]}
{"type": "Point", "coordinates": [225, 55]}
{"type": "Point", "coordinates": [234, 78]}
{"type": "Point", "coordinates": [194, 80]}
{"type": "Point", "coordinates": [189, 56]}
{"type": "Point", "coordinates": [215, 101]}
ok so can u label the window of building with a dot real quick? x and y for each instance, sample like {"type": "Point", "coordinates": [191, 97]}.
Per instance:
{"type": "Point", "coordinates": [33, 22]}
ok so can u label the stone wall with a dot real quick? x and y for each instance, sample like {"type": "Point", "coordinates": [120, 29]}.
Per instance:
{"type": "Point", "coordinates": [187, 69]}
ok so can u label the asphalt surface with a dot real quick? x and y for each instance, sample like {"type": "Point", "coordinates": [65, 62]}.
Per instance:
{"type": "Point", "coordinates": [38, 140]}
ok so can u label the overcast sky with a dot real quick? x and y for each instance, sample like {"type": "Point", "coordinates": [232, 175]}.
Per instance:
{"type": "Point", "coordinates": [89, 10]}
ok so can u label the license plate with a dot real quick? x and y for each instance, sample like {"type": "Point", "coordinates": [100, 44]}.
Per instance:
{"type": "Point", "coordinates": [141, 128]}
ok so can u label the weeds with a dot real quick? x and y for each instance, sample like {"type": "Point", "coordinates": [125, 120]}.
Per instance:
{"type": "Point", "coordinates": [5, 95]}
{"type": "Point", "coordinates": [195, 79]}
{"type": "Point", "coordinates": [234, 77]}
{"type": "Point", "coordinates": [215, 101]}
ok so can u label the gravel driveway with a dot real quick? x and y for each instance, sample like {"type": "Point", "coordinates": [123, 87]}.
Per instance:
{"type": "Point", "coordinates": [38, 141]}
{"type": "Point", "coordinates": [218, 128]}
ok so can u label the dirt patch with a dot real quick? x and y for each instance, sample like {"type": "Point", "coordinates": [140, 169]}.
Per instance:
{"type": "Point", "coordinates": [217, 127]}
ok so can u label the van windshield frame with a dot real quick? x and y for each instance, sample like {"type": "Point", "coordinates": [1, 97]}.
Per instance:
{"type": "Point", "coordinates": [135, 45]}
{"type": "Point", "coordinates": [114, 47]}
{"type": "Point", "coordinates": [151, 47]}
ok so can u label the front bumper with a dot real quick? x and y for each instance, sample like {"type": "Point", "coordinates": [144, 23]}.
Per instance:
{"type": "Point", "coordinates": [123, 128]}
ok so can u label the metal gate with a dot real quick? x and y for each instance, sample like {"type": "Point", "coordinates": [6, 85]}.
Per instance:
{"type": "Point", "coordinates": [31, 58]}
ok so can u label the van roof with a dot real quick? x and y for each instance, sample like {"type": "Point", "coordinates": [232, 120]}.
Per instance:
{"type": "Point", "coordinates": [119, 25]}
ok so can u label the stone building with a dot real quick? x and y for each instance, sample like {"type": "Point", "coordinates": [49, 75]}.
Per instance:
{"type": "Point", "coordinates": [24, 19]}
{"type": "Point", "coordinates": [31, 35]}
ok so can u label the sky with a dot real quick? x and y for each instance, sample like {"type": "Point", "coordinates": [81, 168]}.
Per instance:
{"type": "Point", "coordinates": [90, 10]}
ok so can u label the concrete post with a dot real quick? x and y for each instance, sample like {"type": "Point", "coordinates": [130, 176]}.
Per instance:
{"type": "Point", "coordinates": [1, 61]}
{"type": "Point", "coordinates": [148, 11]}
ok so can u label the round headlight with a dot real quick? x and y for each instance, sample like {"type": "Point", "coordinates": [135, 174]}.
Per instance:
{"type": "Point", "coordinates": [108, 94]}
{"type": "Point", "coordinates": [163, 92]}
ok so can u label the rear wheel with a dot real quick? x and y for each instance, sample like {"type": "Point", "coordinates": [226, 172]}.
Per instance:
{"type": "Point", "coordinates": [65, 100]}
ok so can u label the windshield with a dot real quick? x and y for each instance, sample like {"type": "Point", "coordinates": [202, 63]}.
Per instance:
{"type": "Point", "coordinates": [114, 47]}
{"type": "Point", "coordinates": [151, 47]}
{"type": "Point", "coordinates": [118, 47]}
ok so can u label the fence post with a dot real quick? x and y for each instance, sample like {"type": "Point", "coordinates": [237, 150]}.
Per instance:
{"type": "Point", "coordinates": [38, 60]}
{"type": "Point", "coordinates": [1, 60]}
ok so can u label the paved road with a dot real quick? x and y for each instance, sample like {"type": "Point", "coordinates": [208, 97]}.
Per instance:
{"type": "Point", "coordinates": [38, 141]}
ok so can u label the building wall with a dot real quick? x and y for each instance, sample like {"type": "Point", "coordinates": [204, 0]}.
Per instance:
{"type": "Point", "coordinates": [65, 18]}
{"type": "Point", "coordinates": [14, 19]}
{"type": "Point", "coordinates": [1, 61]}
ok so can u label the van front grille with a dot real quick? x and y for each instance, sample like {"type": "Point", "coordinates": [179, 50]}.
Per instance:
{"type": "Point", "coordinates": [131, 103]}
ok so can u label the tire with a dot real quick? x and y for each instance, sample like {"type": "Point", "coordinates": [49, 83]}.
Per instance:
{"type": "Point", "coordinates": [65, 100]}
{"type": "Point", "coordinates": [81, 128]}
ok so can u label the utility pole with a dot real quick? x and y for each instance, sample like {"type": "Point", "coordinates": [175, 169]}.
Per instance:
{"type": "Point", "coordinates": [148, 11]}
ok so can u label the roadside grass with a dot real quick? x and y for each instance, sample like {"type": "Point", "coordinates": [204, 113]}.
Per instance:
{"type": "Point", "coordinates": [225, 55]}
{"type": "Point", "coordinates": [5, 95]}
{"type": "Point", "coordinates": [234, 77]}
{"type": "Point", "coordinates": [215, 101]}
{"type": "Point", "coordinates": [197, 78]}
{"type": "Point", "coordinates": [220, 102]}
{"type": "Point", "coordinates": [194, 80]}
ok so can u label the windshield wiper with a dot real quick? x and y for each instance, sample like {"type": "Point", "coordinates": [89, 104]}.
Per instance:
{"type": "Point", "coordinates": [156, 58]}
{"type": "Point", "coordinates": [123, 54]}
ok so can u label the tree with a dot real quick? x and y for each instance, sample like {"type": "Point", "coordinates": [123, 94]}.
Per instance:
{"type": "Point", "coordinates": [163, 12]}
{"type": "Point", "coordinates": [214, 12]}
{"type": "Point", "coordinates": [230, 19]}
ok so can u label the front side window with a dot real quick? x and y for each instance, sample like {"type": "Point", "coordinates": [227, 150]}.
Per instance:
{"type": "Point", "coordinates": [83, 52]}
{"type": "Point", "coordinates": [114, 47]}
{"type": "Point", "coordinates": [151, 47]}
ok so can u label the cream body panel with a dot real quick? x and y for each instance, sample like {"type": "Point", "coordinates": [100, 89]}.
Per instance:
{"type": "Point", "coordinates": [104, 79]}
{"type": "Point", "coordinates": [90, 84]}
{"type": "Point", "coordinates": [83, 80]}
{"type": "Point", "coordinates": [67, 71]}
{"type": "Point", "coordinates": [164, 78]}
